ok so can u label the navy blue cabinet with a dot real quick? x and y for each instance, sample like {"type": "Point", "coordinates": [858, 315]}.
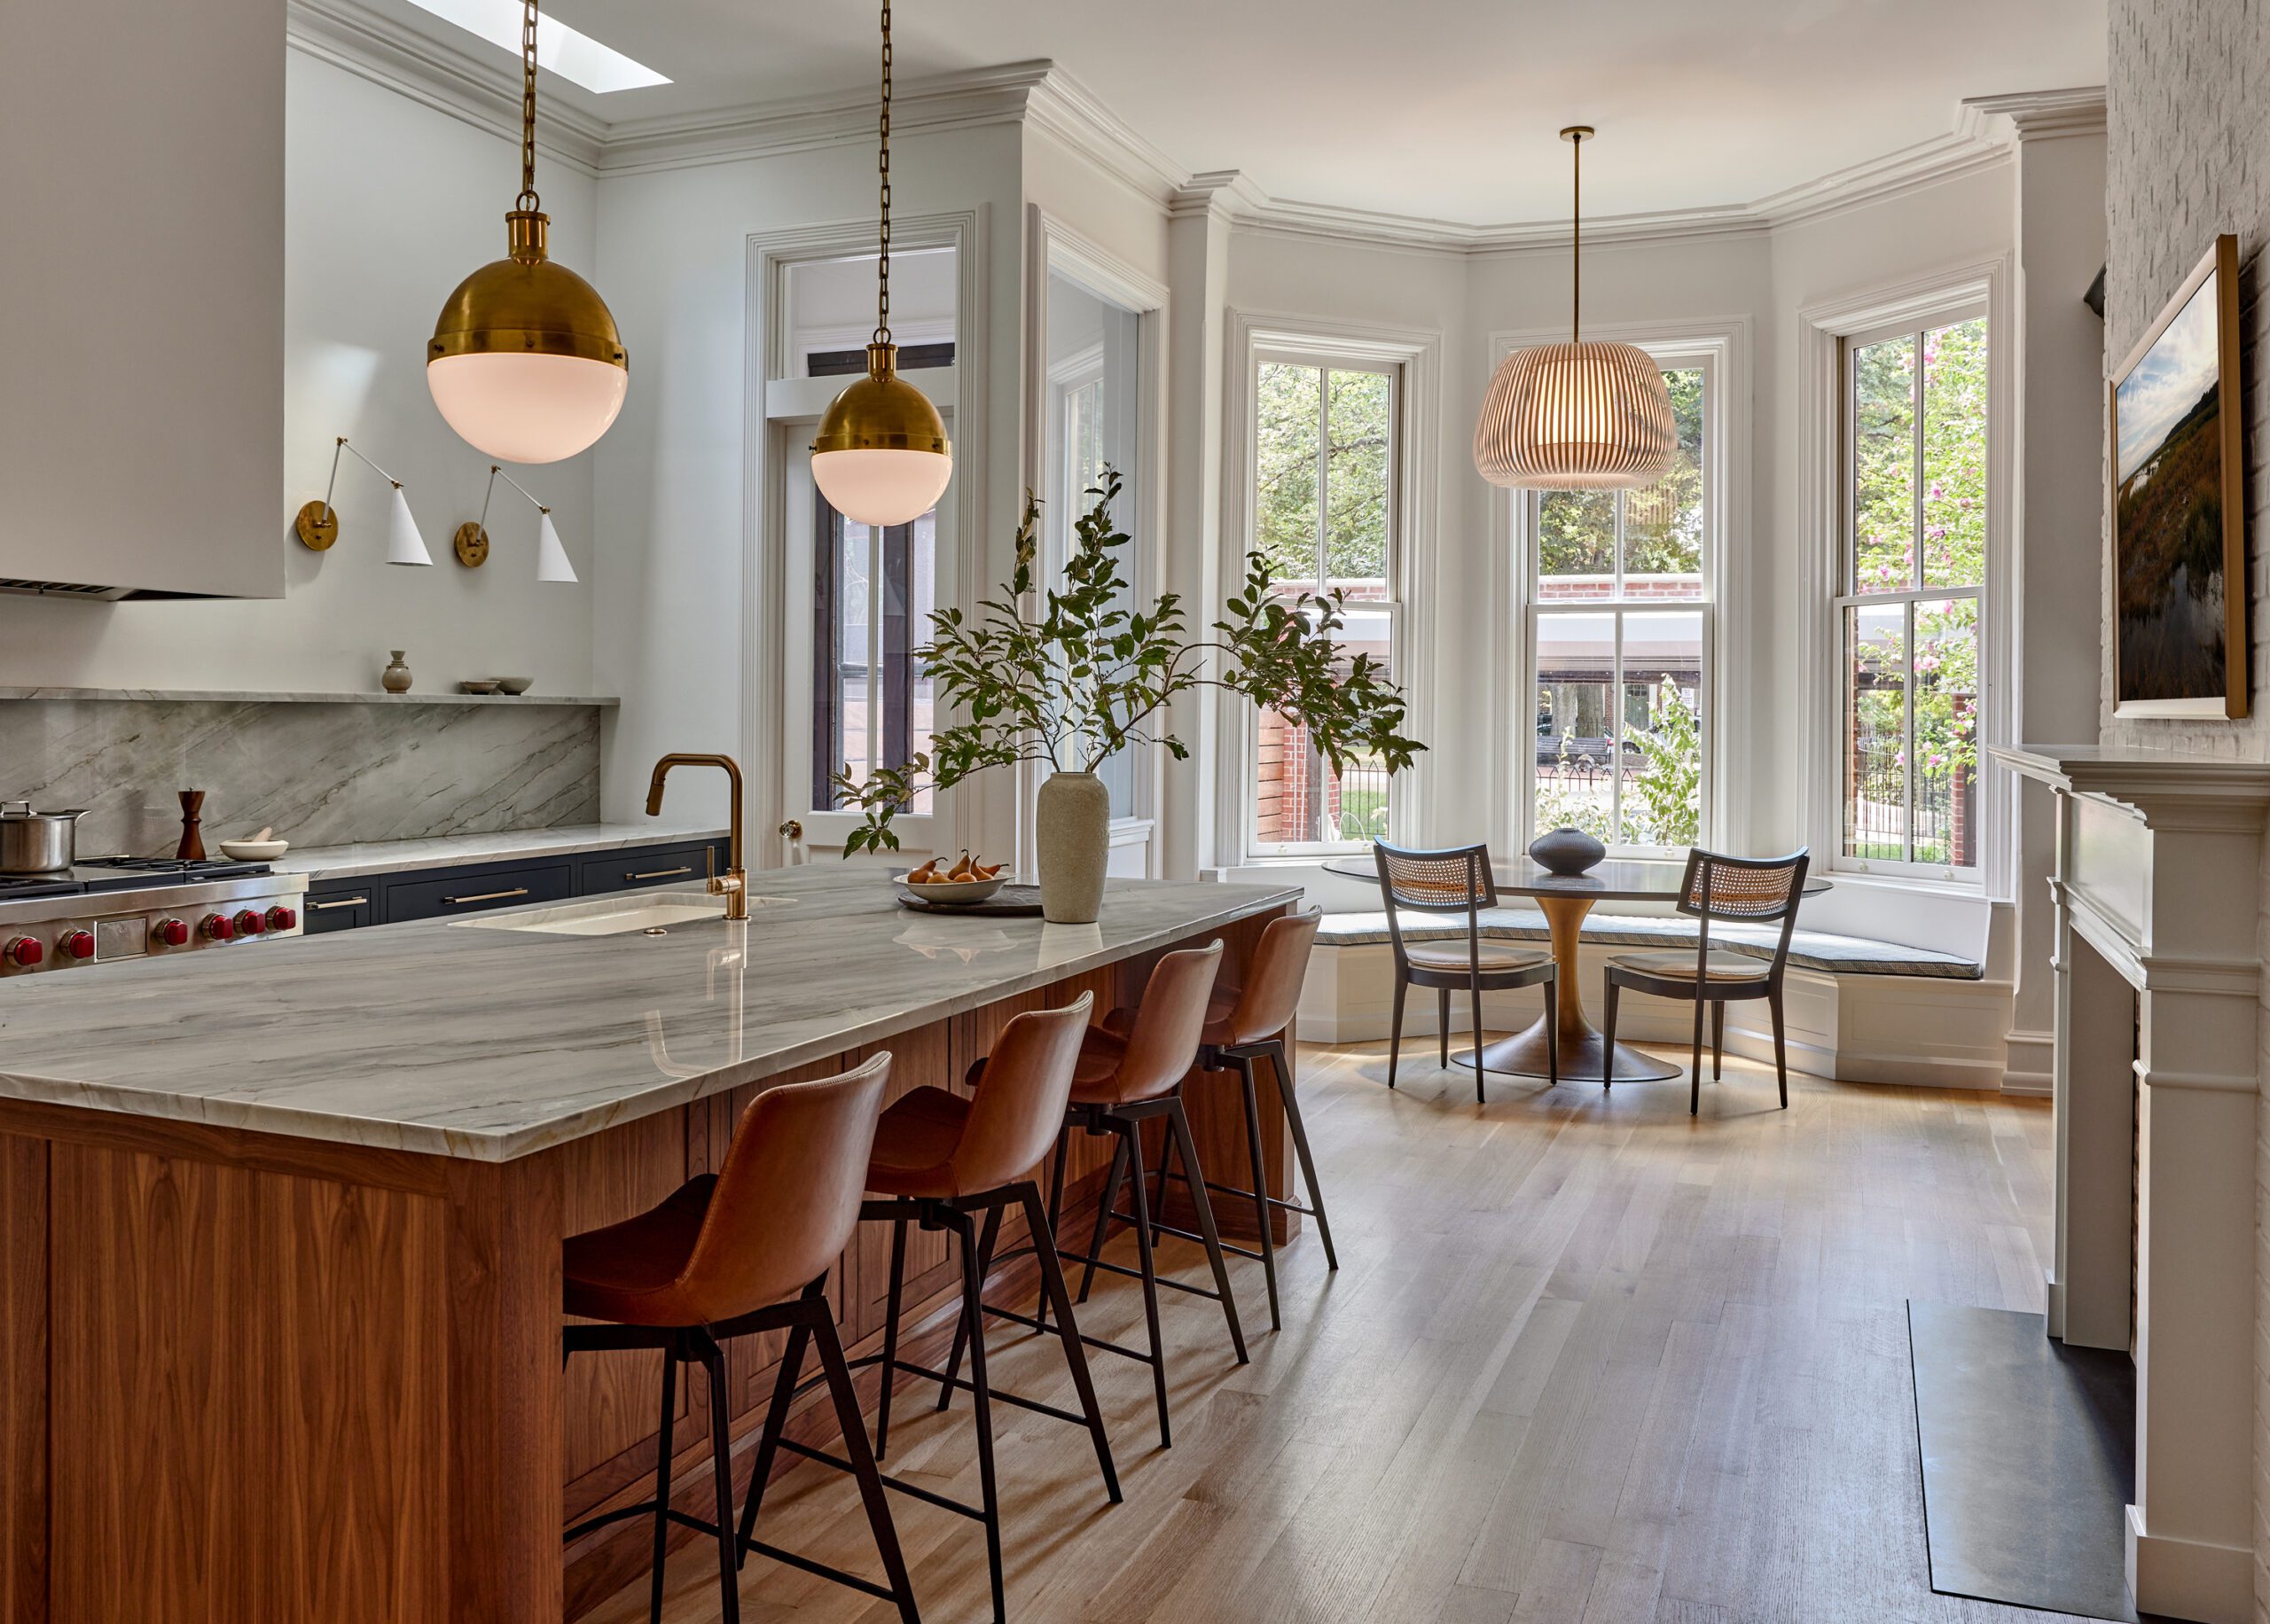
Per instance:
{"type": "Point", "coordinates": [468, 888]}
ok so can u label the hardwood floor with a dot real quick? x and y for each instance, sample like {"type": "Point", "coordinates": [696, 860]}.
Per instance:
{"type": "Point", "coordinates": [1585, 1360]}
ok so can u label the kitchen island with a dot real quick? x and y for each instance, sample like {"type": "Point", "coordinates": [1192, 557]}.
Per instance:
{"type": "Point", "coordinates": [279, 1306]}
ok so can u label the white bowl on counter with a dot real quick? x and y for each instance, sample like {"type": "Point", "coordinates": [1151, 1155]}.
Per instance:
{"type": "Point", "coordinates": [254, 851]}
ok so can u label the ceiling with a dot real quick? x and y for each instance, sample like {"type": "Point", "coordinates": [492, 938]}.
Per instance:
{"type": "Point", "coordinates": [1443, 109]}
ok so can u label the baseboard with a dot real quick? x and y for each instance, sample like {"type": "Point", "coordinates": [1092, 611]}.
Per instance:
{"type": "Point", "coordinates": [1911, 1030]}
{"type": "Point", "coordinates": [2188, 1579]}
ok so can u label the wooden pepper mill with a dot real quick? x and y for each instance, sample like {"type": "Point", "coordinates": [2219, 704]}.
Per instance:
{"type": "Point", "coordinates": [192, 839]}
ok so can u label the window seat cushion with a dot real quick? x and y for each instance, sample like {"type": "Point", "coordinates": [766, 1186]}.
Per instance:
{"type": "Point", "coordinates": [1822, 951]}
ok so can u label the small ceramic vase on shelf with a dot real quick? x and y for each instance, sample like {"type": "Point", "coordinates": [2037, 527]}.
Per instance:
{"type": "Point", "coordinates": [395, 677]}
{"type": "Point", "coordinates": [1567, 851]}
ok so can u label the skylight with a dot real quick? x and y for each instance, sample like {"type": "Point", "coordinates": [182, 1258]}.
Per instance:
{"type": "Point", "coordinates": [576, 58]}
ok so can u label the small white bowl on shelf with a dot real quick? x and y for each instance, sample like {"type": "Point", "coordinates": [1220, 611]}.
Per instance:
{"type": "Point", "coordinates": [254, 851]}
{"type": "Point", "coordinates": [952, 893]}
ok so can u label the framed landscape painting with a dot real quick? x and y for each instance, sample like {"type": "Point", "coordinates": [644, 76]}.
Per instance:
{"type": "Point", "coordinates": [2178, 507]}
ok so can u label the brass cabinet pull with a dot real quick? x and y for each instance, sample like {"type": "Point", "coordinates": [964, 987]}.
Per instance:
{"type": "Point", "coordinates": [486, 896]}
{"type": "Point", "coordinates": [344, 901]}
{"type": "Point", "coordinates": [662, 873]}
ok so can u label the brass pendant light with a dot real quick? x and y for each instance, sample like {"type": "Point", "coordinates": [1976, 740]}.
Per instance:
{"type": "Point", "coordinates": [882, 455]}
{"type": "Point", "coordinates": [1577, 415]}
{"type": "Point", "coordinates": [526, 363]}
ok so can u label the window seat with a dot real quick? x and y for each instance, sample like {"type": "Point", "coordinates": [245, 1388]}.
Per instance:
{"type": "Point", "coordinates": [1823, 952]}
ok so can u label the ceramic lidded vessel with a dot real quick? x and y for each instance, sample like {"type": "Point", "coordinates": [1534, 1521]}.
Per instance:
{"type": "Point", "coordinates": [1567, 851]}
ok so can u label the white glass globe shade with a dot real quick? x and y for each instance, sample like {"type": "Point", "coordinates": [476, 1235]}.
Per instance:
{"type": "Point", "coordinates": [522, 408]}
{"type": "Point", "coordinates": [873, 487]}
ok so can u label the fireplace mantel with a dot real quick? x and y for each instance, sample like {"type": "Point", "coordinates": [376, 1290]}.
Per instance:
{"type": "Point", "coordinates": [2158, 976]}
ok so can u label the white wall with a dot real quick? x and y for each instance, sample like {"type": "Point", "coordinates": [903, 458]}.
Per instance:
{"type": "Point", "coordinates": [389, 205]}
{"type": "Point", "coordinates": [675, 481]}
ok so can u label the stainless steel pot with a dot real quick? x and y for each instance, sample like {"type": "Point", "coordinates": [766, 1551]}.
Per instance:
{"type": "Point", "coordinates": [35, 843]}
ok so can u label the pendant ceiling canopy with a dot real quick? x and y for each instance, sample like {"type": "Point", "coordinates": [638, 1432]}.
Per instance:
{"type": "Point", "coordinates": [1577, 415]}
{"type": "Point", "coordinates": [881, 457]}
{"type": "Point", "coordinates": [526, 363]}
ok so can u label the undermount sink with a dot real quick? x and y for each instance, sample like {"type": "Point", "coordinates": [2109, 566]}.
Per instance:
{"type": "Point", "coordinates": [610, 916]}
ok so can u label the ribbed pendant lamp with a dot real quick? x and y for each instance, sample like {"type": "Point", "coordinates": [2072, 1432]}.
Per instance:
{"type": "Point", "coordinates": [1577, 415]}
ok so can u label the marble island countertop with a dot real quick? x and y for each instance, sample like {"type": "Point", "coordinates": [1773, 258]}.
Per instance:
{"type": "Point", "coordinates": [458, 1038]}
{"type": "Point", "coordinates": [449, 850]}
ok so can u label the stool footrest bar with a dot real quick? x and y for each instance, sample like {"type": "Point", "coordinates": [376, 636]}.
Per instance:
{"type": "Point", "coordinates": [645, 1507]}
{"type": "Point", "coordinates": [974, 1513]}
{"type": "Point", "coordinates": [866, 1586]}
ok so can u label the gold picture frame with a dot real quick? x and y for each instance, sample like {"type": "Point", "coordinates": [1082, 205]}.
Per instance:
{"type": "Point", "coordinates": [2175, 501]}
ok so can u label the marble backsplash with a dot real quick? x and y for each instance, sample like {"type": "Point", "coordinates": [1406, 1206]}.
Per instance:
{"type": "Point", "coordinates": [323, 774]}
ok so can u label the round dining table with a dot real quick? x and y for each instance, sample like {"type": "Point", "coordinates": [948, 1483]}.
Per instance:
{"type": "Point", "coordinates": [1564, 899]}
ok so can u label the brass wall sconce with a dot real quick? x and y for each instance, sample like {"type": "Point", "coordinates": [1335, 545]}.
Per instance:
{"type": "Point", "coordinates": [318, 521]}
{"type": "Point", "coordinates": [472, 536]}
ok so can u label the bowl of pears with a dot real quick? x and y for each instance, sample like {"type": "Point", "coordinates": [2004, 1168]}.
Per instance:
{"type": "Point", "coordinates": [959, 882]}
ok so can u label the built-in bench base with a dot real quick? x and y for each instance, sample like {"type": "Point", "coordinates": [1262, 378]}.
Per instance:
{"type": "Point", "coordinates": [1858, 1010]}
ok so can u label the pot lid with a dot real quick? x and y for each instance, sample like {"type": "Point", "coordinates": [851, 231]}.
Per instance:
{"type": "Point", "coordinates": [17, 811]}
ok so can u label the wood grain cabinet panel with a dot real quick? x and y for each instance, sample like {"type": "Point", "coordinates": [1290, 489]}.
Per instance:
{"type": "Point", "coordinates": [248, 1383]}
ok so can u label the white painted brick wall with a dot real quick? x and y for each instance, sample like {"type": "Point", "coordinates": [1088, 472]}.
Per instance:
{"type": "Point", "coordinates": [2188, 156]}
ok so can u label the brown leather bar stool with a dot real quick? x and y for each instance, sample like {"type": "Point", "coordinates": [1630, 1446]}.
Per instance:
{"type": "Point", "coordinates": [942, 1160]}
{"type": "Point", "coordinates": [1125, 1078]}
{"type": "Point", "coordinates": [743, 1249]}
{"type": "Point", "coordinates": [1243, 1026]}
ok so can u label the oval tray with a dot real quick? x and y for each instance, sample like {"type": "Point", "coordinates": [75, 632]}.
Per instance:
{"type": "Point", "coordinates": [1010, 902]}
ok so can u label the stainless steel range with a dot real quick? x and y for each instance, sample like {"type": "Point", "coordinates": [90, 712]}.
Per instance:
{"type": "Point", "coordinates": [104, 910]}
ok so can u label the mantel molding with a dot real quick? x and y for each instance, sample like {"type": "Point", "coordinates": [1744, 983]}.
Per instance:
{"type": "Point", "coordinates": [2171, 791]}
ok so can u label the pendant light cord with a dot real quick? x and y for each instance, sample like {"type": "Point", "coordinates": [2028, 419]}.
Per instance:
{"type": "Point", "coordinates": [882, 168]}
{"type": "Point", "coordinates": [1575, 235]}
{"type": "Point", "coordinates": [528, 199]}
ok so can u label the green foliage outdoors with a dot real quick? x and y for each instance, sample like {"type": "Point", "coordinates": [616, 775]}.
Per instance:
{"type": "Point", "coordinates": [1348, 416]}
{"type": "Point", "coordinates": [1070, 674]}
{"type": "Point", "coordinates": [1662, 531]}
{"type": "Point", "coordinates": [1669, 783]}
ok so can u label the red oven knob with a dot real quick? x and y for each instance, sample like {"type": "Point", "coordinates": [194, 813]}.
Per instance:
{"type": "Point", "coordinates": [249, 923]}
{"type": "Point", "coordinates": [172, 934]}
{"type": "Point", "coordinates": [218, 928]}
{"type": "Point", "coordinates": [76, 944]}
{"type": "Point", "coordinates": [282, 918]}
{"type": "Point", "coordinates": [23, 952]}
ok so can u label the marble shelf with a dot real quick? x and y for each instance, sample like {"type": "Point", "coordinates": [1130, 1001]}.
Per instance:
{"type": "Point", "coordinates": [245, 697]}
{"type": "Point", "coordinates": [359, 858]}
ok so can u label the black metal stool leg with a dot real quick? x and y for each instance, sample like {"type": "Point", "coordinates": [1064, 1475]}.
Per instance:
{"type": "Point", "coordinates": [776, 1418]}
{"type": "Point", "coordinates": [721, 1462]}
{"type": "Point", "coordinates": [1131, 1147]}
{"type": "Point", "coordinates": [863, 1461]}
{"type": "Point", "coordinates": [1178, 1125]}
{"type": "Point", "coordinates": [1122, 1138]}
{"type": "Point", "coordinates": [972, 1307]}
{"type": "Point", "coordinates": [1260, 1186]}
{"type": "Point", "coordinates": [662, 1479]}
{"type": "Point", "coordinates": [964, 1329]}
{"type": "Point", "coordinates": [890, 1336]}
{"type": "Point", "coordinates": [1052, 1289]}
{"type": "Point", "coordinates": [1055, 1210]}
{"type": "Point", "coordinates": [1291, 1099]}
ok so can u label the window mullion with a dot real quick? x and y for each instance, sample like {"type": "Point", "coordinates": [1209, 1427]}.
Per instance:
{"type": "Point", "coordinates": [1616, 709]}
{"type": "Point", "coordinates": [1908, 741]}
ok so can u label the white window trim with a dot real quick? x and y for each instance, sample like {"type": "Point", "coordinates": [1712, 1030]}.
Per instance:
{"type": "Point", "coordinates": [1417, 353]}
{"type": "Point", "coordinates": [1823, 330]}
{"type": "Point", "coordinates": [1054, 247]}
{"type": "Point", "coordinates": [1733, 668]}
{"type": "Point", "coordinates": [776, 708]}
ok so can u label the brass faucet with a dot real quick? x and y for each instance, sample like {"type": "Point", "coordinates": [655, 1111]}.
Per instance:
{"type": "Point", "coordinates": [732, 885]}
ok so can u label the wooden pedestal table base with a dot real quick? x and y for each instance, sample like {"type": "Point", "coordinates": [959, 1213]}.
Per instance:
{"type": "Point", "coordinates": [1583, 1047]}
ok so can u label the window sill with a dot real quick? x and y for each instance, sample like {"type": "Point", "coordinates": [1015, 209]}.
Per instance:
{"type": "Point", "coordinates": [1923, 885]}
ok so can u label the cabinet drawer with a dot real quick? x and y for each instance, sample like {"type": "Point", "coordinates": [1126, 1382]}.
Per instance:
{"type": "Point", "coordinates": [639, 868]}
{"type": "Point", "coordinates": [339, 908]}
{"type": "Point", "coordinates": [477, 893]}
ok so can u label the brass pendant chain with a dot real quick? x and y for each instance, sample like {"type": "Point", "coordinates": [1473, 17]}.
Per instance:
{"type": "Point", "coordinates": [527, 200]}
{"type": "Point", "coordinates": [882, 165]}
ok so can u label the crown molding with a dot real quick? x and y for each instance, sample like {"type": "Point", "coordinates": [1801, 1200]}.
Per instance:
{"type": "Point", "coordinates": [2047, 115]}
{"type": "Point", "coordinates": [1043, 95]}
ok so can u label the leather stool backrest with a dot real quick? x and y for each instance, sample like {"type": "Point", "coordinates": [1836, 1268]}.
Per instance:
{"type": "Point", "coordinates": [1019, 1106]}
{"type": "Point", "coordinates": [1162, 1045]}
{"type": "Point", "coordinates": [1273, 987]}
{"type": "Point", "coordinates": [788, 1197]}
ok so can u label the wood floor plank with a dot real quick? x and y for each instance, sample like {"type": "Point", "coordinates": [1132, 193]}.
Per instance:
{"type": "Point", "coordinates": [1587, 1360]}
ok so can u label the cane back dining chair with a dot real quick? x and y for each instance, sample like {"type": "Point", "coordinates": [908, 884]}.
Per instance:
{"type": "Point", "coordinates": [1456, 880]}
{"type": "Point", "coordinates": [1745, 890]}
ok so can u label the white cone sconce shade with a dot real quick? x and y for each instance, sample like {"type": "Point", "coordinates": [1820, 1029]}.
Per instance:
{"type": "Point", "coordinates": [551, 557]}
{"type": "Point", "coordinates": [404, 545]}
{"type": "Point", "coordinates": [1576, 416]}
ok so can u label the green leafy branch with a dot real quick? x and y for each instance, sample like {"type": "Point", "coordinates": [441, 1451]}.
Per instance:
{"type": "Point", "coordinates": [1077, 675]}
